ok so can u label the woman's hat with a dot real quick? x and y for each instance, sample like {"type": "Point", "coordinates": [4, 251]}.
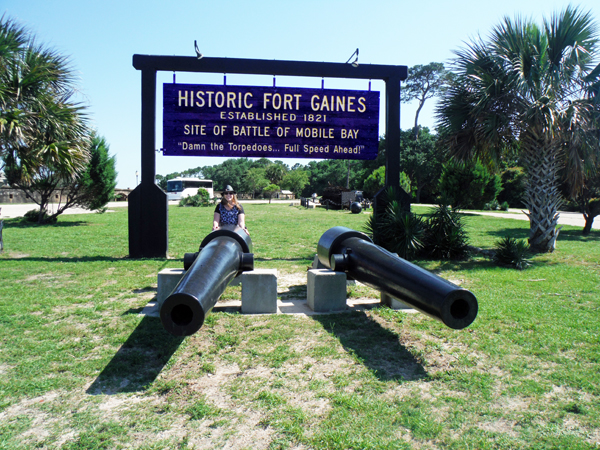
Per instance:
{"type": "Point", "coordinates": [228, 188]}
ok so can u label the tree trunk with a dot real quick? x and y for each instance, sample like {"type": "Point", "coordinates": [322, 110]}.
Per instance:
{"type": "Point", "coordinates": [592, 210]}
{"type": "Point", "coordinates": [542, 195]}
{"type": "Point", "coordinates": [418, 193]}
{"type": "Point", "coordinates": [348, 176]}
{"type": "Point", "coordinates": [589, 221]}
{"type": "Point", "coordinates": [416, 127]}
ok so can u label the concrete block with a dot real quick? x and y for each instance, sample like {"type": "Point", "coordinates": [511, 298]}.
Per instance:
{"type": "Point", "coordinates": [167, 280]}
{"type": "Point", "coordinates": [392, 302]}
{"type": "Point", "coordinates": [317, 264]}
{"type": "Point", "coordinates": [326, 290]}
{"type": "Point", "coordinates": [259, 291]}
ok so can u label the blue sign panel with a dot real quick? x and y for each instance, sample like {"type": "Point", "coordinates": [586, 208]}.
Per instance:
{"type": "Point", "coordinates": [271, 122]}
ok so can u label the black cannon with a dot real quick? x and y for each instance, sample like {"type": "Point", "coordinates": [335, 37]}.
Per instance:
{"type": "Point", "coordinates": [344, 250]}
{"type": "Point", "coordinates": [223, 255]}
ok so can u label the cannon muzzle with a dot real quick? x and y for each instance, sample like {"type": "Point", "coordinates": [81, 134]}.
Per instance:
{"type": "Point", "coordinates": [223, 254]}
{"type": "Point", "coordinates": [345, 250]}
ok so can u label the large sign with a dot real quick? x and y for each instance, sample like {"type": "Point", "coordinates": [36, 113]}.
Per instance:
{"type": "Point", "coordinates": [272, 122]}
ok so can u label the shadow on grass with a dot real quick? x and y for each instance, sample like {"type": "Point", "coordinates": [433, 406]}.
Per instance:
{"type": "Point", "coordinates": [84, 259]}
{"type": "Point", "coordinates": [20, 223]}
{"type": "Point", "coordinates": [297, 291]}
{"type": "Point", "coordinates": [575, 235]}
{"type": "Point", "coordinates": [139, 360]}
{"type": "Point", "coordinates": [375, 346]}
{"type": "Point", "coordinates": [436, 266]}
{"type": "Point", "coordinates": [307, 259]}
{"type": "Point", "coordinates": [564, 235]}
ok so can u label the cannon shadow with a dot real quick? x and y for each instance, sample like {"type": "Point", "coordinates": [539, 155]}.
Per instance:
{"type": "Point", "coordinates": [138, 362]}
{"type": "Point", "coordinates": [376, 347]}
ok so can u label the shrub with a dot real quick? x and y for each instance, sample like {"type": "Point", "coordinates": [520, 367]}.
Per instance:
{"type": "Point", "coordinates": [372, 229]}
{"type": "Point", "coordinates": [514, 182]}
{"type": "Point", "coordinates": [468, 185]}
{"type": "Point", "coordinates": [402, 232]}
{"type": "Point", "coordinates": [376, 181]}
{"type": "Point", "coordinates": [34, 214]}
{"type": "Point", "coordinates": [445, 237]}
{"type": "Point", "coordinates": [408, 235]}
{"type": "Point", "coordinates": [511, 252]}
{"type": "Point", "coordinates": [492, 206]}
{"type": "Point", "coordinates": [202, 198]}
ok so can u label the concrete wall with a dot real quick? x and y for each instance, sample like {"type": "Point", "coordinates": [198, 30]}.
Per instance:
{"type": "Point", "coordinates": [9, 195]}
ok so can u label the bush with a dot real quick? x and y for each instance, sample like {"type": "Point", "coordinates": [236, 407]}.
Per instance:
{"type": "Point", "coordinates": [376, 181]}
{"type": "Point", "coordinates": [34, 214]}
{"type": "Point", "coordinates": [511, 252]}
{"type": "Point", "coordinates": [445, 237]}
{"type": "Point", "coordinates": [202, 198]}
{"type": "Point", "coordinates": [402, 232]}
{"type": "Point", "coordinates": [468, 185]}
{"type": "Point", "coordinates": [514, 182]}
{"type": "Point", "coordinates": [492, 206]}
{"type": "Point", "coordinates": [398, 231]}
{"type": "Point", "coordinates": [373, 230]}
{"type": "Point", "coordinates": [409, 235]}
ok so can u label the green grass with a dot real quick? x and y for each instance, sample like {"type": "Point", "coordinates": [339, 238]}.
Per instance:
{"type": "Point", "coordinates": [80, 368]}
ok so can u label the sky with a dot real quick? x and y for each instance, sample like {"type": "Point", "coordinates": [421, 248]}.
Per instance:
{"type": "Point", "coordinates": [101, 37]}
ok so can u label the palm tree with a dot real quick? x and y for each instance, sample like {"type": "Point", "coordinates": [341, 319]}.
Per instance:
{"type": "Point", "coordinates": [39, 121]}
{"type": "Point", "coordinates": [528, 85]}
{"type": "Point", "coordinates": [43, 132]}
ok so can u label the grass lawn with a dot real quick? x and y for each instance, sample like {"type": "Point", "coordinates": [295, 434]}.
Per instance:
{"type": "Point", "coordinates": [81, 368]}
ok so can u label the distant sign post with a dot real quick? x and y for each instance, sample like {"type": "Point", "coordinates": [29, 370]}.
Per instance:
{"type": "Point", "coordinates": [250, 121]}
{"type": "Point", "coordinates": [148, 212]}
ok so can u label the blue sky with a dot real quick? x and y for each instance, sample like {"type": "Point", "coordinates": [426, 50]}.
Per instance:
{"type": "Point", "coordinates": [102, 36]}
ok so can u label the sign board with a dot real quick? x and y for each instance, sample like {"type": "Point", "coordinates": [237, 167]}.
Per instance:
{"type": "Point", "coordinates": [271, 122]}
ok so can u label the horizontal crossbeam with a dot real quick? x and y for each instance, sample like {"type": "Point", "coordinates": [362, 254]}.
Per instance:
{"type": "Point", "coordinates": [268, 67]}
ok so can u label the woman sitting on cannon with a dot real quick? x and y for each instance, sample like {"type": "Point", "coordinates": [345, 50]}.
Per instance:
{"type": "Point", "coordinates": [229, 211]}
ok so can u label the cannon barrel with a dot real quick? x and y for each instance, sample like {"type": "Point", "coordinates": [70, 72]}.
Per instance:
{"type": "Point", "coordinates": [345, 250]}
{"type": "Point", "coordinates": [223, 255]}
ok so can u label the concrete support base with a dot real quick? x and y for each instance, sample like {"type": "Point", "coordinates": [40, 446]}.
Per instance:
{"type": "Point", "coordinates": [392, 302]}
{"type": "Point", "coordinates": [317, 264]}
{"type": "Point", "coordinates": [326, 290]}
{"type": "Point", "coordinates": [167, 280]}
{"type": "Point", "coordinates": [259, 291]}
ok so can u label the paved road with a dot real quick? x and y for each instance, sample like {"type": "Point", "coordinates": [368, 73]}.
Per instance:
{"type": "Point", "coordinates": [565, 218]}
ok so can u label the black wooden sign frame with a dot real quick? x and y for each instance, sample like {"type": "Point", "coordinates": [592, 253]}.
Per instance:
{"type": "Point", "coordinates": [148, 211]}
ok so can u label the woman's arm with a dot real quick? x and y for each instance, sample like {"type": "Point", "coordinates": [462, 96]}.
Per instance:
{"type": "Point", "coordinates": [216, 220]}
{"type": "Point", "coordinates": [242, 223]}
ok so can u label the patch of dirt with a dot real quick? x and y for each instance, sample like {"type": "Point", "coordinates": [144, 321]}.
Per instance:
{"type": "Point", "coordinates": [291, 285]}
{"type": "Point", "coordinates": [594, 438]}
{"type": "Point", "coordinates": [40, 421]}
{"type": "Point", "coordinates": [18, 255]}
{"type": "Point", "coordinates": [440, 359]}
{"type": "Point", "coordinates": [500, 426]}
